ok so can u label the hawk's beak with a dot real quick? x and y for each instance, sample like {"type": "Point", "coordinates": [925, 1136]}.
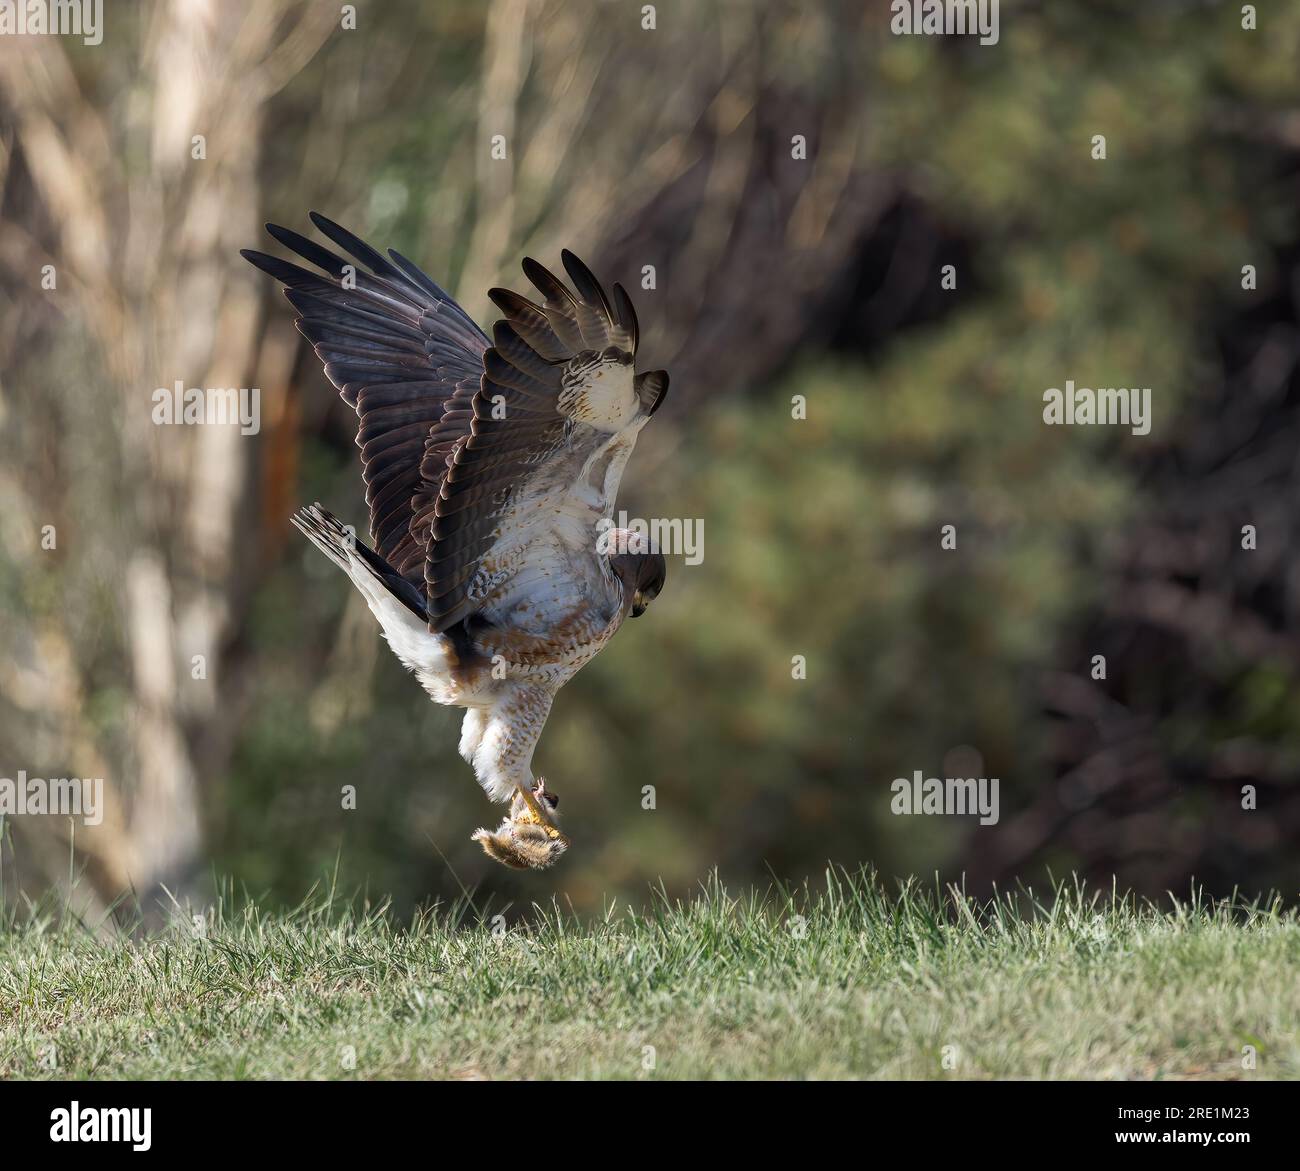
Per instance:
{"type": "Point", "coordinates": [638, 604]}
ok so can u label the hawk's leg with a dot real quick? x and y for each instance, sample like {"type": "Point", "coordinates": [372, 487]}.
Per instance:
{"type": "Point", "coordinates": [502, 742]}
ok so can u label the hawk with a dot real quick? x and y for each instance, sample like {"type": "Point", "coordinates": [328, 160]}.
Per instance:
{"type": "Point", "coordinates": [491, 468]}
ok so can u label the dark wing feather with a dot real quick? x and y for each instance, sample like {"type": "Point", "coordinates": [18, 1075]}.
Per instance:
{"type": "Point", "coordinates": [400, 351]}
{"type": "Point", "coordinates": [472, 476]}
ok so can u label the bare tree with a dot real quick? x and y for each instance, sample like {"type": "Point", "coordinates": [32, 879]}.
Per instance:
{"type": "Point", "coordinates": [138, 205]}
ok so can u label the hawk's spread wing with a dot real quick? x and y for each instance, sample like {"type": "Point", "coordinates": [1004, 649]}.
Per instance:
{"type": "Point", "coordinates": [550, 430]}
{"type": "Point", "coordinates": [397, 347]}
{"type": "Point", "coordinates": [470, 445]}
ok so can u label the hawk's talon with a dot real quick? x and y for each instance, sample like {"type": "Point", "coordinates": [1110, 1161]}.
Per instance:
{"type": "Point", "coordinates": [534, 814]}
{"type": "Point", "coordinates": [526, 839]}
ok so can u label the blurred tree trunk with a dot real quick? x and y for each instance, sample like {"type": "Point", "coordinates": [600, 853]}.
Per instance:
{"type": "Point", "coordinates": [141, 219]}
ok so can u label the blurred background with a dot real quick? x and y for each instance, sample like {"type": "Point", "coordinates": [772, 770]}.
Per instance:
{"type": "Point", "coordinates": [776, 276]}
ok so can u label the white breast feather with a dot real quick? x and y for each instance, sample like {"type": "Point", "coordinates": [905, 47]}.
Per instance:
{"type": "Point", "coordinates": [601, 395]}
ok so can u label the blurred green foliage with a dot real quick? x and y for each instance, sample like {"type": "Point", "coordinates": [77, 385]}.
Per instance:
{"type": "Point", "coordinates": [822, 536]}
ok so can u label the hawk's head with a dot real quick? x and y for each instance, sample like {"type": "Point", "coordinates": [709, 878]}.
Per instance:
{"type": "Point", "coordinates": [639, 566]}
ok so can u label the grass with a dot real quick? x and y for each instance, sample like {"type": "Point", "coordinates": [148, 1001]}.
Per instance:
{"type": "Point", "coordinates": [847, 980]}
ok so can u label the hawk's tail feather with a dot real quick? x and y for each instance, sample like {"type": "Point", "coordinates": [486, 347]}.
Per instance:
{"type": "Point", "coordinates": [324, 530]}
{"type": "Point", "coordinates": [339, 543]}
